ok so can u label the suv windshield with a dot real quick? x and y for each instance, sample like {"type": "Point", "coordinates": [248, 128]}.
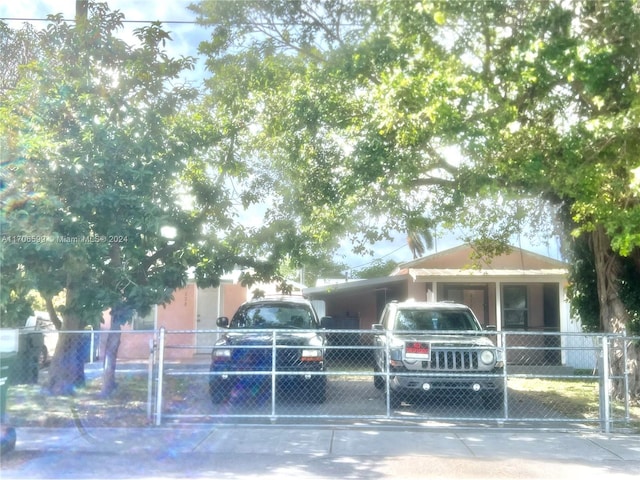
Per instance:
{"type": "Point", "coordinates": [266, 315]}
{"type": "Point", "coordinates": [433, 319]}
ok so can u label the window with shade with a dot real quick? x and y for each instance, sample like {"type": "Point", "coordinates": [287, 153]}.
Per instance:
{"type": "Point", "coordinates": [515, 310]}
{"type": "Point", "coordinates": [148, 322]}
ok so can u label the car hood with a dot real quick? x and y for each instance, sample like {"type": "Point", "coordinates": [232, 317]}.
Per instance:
{"type": "Point", "coordinates": [266, 338]}
{"type": "Point", "coordinates": [446, 340]}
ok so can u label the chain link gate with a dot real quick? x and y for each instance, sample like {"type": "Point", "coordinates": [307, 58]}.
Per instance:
{"type": "Point", "coordinates": [544, 392]}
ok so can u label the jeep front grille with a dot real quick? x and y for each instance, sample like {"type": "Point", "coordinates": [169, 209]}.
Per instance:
{"type": "Point", "coordinates": [452, 360]}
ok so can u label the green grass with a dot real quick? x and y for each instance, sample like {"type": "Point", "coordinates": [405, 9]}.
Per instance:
{"type": "Point", "coordinates": [31, 405]}
{"type": "Point", "coordinates": [573, 397]}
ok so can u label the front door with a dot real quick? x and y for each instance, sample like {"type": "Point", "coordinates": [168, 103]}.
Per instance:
{"type": "Point", "coordinates": [474, 296]}
{"type": "Point", "coordinates": [208, 310]}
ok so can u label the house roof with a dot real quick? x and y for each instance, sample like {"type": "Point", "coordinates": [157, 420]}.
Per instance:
{"type": "Point", "coordinates": [456, 265]}
{"type": "Point", "coordinates": [461, 257]}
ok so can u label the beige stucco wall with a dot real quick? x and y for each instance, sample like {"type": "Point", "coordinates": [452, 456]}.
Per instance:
{"type": "Point", "coordinates": [460, 257]}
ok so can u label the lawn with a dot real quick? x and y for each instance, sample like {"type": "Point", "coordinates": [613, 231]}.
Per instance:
{"type": "Point", "coordinates": [572, 397]}
{"type": "Point", "coordinates": [30, 405]}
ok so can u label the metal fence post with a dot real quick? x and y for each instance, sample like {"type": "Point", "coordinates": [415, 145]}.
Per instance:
{"type": "Point", "coordinates": [150, 395]}
{"type": "Point", "coordinates": [273, 374]}
{"type": "Point", "coordinates": [605, 391]}
{"type": "Point", "coordinates": [505, 375]}
{"type": "Point", "coordinates": [627, 415]}
{"type": "Point", "coordinates": [92, 344]}
{"type": "Point", "coordinates": [387, 373]}
{"type": "Point", "coordinates": [160, 376]}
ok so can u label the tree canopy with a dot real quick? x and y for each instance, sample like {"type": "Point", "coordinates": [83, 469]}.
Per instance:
{"type": "Point", "coordinates": [347, 119]}
{"type": "Point", "coordinates": [110, 193]}
{"type": "Point", "coordinates": [401, 115]}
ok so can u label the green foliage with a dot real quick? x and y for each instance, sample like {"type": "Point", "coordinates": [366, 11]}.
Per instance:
{"type": "Point", "coordinates": [376, 270]}
{"type": "Point", "coordinates": [348, 119]}
{"type": "Point", "coordinates": [105, 151]}
{"type": "Point", "coordinates": [362, 118]}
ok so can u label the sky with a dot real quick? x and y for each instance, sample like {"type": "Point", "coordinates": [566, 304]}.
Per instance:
{"type": "Point", "coordinates": [186, 37]}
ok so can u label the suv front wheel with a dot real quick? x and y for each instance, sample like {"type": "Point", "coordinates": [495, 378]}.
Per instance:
{"type": "Point", "coordinates": [316, 390]}
{"type": "Point", "coordinates": [378, 379]}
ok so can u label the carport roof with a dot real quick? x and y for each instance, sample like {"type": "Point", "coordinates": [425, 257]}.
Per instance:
{"type": "Point", "coordinates": [354, 285]}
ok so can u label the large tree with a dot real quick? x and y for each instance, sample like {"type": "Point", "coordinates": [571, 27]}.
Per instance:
{"type": "Point", "coordinates": [560, 95]}
{"type": "Point", "coordinates": [113, 197]}
{"type": "Point", "coordinates": [384, 115]}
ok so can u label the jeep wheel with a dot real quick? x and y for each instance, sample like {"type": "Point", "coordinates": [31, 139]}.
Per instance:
{"type": "Point", "coordinates": [378, 380]}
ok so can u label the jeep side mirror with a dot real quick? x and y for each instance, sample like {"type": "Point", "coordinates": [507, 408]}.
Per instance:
{"type": "Point", "coordinates": [326, 322]}
{"type": "Point", "coordinates": [222, 322]}
{"type": "Point", "coordinates": [491, 328]}
{"type": "Point", "coordinates": [378, 327]}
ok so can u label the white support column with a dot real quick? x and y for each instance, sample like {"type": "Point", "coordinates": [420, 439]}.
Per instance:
{"type": "Point", "coordinates": [433, 295]}
{"type": "Point", "coordinates": [498, 306]}
{"type": "Point", "coordinates": [564, 320]}
{"type": "Point", "coordinates": [501, 340]}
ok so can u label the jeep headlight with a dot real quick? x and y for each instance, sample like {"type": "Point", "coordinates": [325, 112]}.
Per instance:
{"type": "Point", "coordinates": [487, 357]}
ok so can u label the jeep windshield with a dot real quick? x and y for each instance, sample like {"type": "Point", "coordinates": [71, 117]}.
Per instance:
{"type": "Point", "coordinates": [277, 315]}
{"type": "Point", "coordinates": [433, 319]}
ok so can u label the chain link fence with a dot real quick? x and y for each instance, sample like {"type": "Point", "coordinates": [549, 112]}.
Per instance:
{"type": "Point", "coordinates": [548, 380]}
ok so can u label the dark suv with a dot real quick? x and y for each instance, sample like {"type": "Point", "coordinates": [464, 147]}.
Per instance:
{"type": "Point", "coordinates": [430, 348]}
{"type": "Point", "coordinates": [248, 345]}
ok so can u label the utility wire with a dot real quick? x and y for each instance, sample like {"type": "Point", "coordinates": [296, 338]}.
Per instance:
{"type": "Point", "coordinates": [184, 22]}
{"type": "Point", "coordinates": [378, 259]}
{"type": "Point", "coordinates": [19, 19]}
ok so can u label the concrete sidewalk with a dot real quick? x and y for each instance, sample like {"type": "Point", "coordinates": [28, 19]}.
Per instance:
{"type": "Point", "coordinates": [318, 452]}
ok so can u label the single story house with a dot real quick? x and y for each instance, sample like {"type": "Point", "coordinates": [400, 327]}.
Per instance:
{"type": "Point", "coordinates": [520, 291]}
{"type": "Point", "coordinates": [517, 292]}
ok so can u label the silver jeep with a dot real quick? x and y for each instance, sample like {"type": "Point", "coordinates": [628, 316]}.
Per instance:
{"type": "Point", "coordinates": [436, 348]}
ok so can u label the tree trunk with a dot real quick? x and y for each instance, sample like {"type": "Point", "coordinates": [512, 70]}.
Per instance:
{"type": "Point", "coordinates": [66, 372]}
{"type": "Point", "coordinates": [613, 313]}
{"type": "Point", "coordinates": [110, 357]}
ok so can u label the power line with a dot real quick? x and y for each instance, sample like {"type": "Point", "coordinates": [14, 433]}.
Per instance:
{"type": "Point", "coordinates": [21, 19]}
{"type": "Point", "coordinates": [378, 259]}
{"type": "Point", "coordinates": [183, 22]}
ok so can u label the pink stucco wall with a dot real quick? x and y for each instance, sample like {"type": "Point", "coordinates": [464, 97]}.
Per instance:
{"type": "Point", "coordinates": [180, 314]}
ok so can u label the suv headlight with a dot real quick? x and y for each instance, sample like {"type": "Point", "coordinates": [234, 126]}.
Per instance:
{"type": "Point", "coordinates": [487, 357]}
{"type": "Point", "coordinates": [311, 355]}
{"type": "Point", "coordinates": [221, 353]}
